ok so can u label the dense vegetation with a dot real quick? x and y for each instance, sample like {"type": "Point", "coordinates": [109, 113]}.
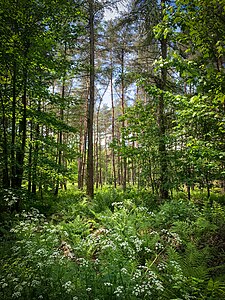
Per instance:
{"type": "Point", "coordinates": [112, 153]}
{"type": "Point", "coordinates": [121, 245]}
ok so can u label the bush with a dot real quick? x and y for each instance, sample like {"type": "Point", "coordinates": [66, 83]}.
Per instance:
{"type": "Point", "coordinates": [175, 210]}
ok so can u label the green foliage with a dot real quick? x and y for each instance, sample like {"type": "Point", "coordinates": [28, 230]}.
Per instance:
{"type": "Point", "coordinates": [117, 249]}
{"type": "Point", "coordinates": [175, 210]}
{"type": "Point", "coordinates": [108, 197]}
{"type": "Point", "coordinates": [34, 67]}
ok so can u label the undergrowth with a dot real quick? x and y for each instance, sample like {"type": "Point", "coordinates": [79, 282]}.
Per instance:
{"type": "Point", "coordinates": [117, 246]}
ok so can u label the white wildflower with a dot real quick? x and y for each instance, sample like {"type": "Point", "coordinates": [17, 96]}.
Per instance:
{"type": "Point", "coordinates": [107, 284]}
{"type": "Point", "coordinates": [16, 295]}
{"type": "Point", "coordinates": [118, 291]}
{"type": "Point", "coordinates": [147, 250]}
{"type": "Point", "coordinates": [159, 246]}
{"type": "Point", "coordinates": [35, 283]}
{"type": "Point", "coordinates": [4, 285]}
{"type": "Point", "coordinates": [124, 270]}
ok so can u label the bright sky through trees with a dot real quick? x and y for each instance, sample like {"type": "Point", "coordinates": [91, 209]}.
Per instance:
{"type": "Point", "coordinates": [112, 13]}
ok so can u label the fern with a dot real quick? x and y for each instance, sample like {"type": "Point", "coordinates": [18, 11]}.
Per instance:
{"type": "Point", "coordinates": [194, 262]}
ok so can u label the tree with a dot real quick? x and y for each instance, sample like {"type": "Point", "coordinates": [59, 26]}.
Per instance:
{"type": "Point", "coordinates": [91, 102]}
{"type": "Point", "coordinates": [199, 61]}
{"type": "Point", "coordinates": [153, 13]}
{"type": "Point", "coordinates": [30, 61]}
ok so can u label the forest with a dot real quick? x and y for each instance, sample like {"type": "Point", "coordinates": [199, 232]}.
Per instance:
{"type": "Point", "coordinates": [112, 149]}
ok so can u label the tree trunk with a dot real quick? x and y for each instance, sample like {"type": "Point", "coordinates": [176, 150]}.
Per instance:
{"type": "Point", "coordinates": [164, 190]}
{"type": "Point", "coordinates": [20, 154]}
{"type": "Point", "coordinates": [97, 146]}
{"type": "Point", "coordinates": [133, 167]}
{"type": "Point", "coordinates": [30, 158]}
{"type": "Point", "coordinates": [124, 165]}
{"type": "Point", "coordinates": [82, 157]}
{"type": "Point", "coordinates": [60, 138]}
{"type": "Point", "coordinates": [90, 117]}
{"type": "Point", "coordinates": [35, 158]}
{"type": "Point", "coordinates": [83, 143]}
{"type": "Point", "coordinates": [100, 164]}
{"type": "Point", "coordinates": [6, 181]}
{"type": "Point", "coordinates": [13, 132]}
{"type": "Point", "coordinates": [113, 123]}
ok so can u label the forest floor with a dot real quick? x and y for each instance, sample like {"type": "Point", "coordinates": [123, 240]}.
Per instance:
{"type": "Point", "coordinates": [120, 245]}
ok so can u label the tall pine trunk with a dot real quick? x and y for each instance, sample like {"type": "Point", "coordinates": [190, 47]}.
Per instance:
{"type": "Point", "coordinates": [6, 181]}
{"type": "Point", "coordinates": [13, 131]}
{"type": "Point", "coordinates": [164, 189]}
{"type": "Point", "coordinates": [20, 153]}
{"type": "Point", "coordinates": [35, 156]}
{"type": "Point", "coordinates": [124, 160]}
{"type": "Point", "coordinates": [113, 122]}
{"type": "Point", "coordinates": [90, 116]}
{"type": "Point", "coordinates": [60, 136]}
{"type": "Point", "coordinates": [30, 158]}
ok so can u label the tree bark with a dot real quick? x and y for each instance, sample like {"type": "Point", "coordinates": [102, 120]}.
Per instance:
{"type": "Point", "coordinates": [164, 190]}
{"type": "Point", "coordinates": [6, 181]}
{"type": "Point", "coordinates": [13, 132]}
{"type": "Point", "coordinates": [60, 137]}
{"type": "Point", "coordinates": [30, 159]}
{"type": "Point", "coordinates": [20, 153]}
{"type": "Point", "coordinates": [35, 158]}
{"type": "Point", "coordinates": [113, 122]}
{"type": "Point", "coordinates": [90, 117]}
{"type": "Point", "coordinates": [123, 122]}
